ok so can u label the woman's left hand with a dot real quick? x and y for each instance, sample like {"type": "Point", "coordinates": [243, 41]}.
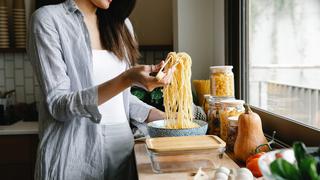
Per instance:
{"type": "Point", "coordinates": [155, 114]}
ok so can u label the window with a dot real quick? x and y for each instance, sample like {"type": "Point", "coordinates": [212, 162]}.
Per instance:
{"type": "Point", "coordinates": [284, 58]}
{"type": "Point", "coordinates": [272, 45]}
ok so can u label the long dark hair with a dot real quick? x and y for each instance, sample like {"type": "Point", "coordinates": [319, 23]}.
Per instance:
{"type": "Point", "coordinates": [114, 34]}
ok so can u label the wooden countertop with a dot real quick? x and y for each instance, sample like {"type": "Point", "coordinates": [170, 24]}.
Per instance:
{"type": "Point", "coordinates": [145, 171]}
{"type": "Point", "coordinates": [20, 127]}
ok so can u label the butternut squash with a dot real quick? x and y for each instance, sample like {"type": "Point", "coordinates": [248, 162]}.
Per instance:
{"type": "Point", "coordinates": [250, 134]}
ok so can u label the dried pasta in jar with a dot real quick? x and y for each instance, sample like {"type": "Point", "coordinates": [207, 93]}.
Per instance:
{"type": "Point", "coordinates": [222, 81]}
{"type": "Point", "coordinates": [229, 108]}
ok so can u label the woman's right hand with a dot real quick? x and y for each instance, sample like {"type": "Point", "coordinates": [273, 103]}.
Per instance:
{"type": "Point", "coordinates": [139, 75]}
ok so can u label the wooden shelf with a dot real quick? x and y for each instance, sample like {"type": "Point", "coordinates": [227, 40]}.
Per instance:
{"type": "Point", "coordinates": [13, 50]}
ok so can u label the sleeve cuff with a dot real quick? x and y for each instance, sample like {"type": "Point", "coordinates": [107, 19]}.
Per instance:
{"type": "Point", "coordinates": [90, 98]}
{"type": "Point", "coordinates": [139, 110]}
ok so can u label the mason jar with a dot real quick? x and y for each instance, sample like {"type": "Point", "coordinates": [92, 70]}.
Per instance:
{"type": "Point", "coordinates": [232, 132]}
{"type": "Point", "coordinates": [214, 118]}
{"type": "Point", "coordinates": [229, 108]}
{"type": "Point", "coordinates": [222, 81]}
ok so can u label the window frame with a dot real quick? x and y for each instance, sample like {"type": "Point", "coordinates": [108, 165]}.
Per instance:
{"type": "Point", "coordinates": [236, 54]}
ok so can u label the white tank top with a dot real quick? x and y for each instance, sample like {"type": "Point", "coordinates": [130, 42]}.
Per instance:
{"type": "Point", "coordinates": [107, 66]}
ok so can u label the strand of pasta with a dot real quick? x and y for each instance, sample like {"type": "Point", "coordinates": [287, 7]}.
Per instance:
{"type": "Point", "coordinates": [178, 95]}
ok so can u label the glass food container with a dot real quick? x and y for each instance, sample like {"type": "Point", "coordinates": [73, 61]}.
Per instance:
{"type": "Point", "coordinates": [232, 132]}
{"type": "Point", "coordinates": [213, 114]}
{"type": "Point", "coordinates": [185, 159]}
{"type": "Point", "coordinates": [222, 81]}
{"type": "Point", "coordinates": [229, 108]}
{"type": "Point", "coordinates": [214, 119]}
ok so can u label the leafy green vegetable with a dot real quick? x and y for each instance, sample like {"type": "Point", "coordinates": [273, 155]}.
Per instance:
{"type": "Point", "coordinates": [139, 93]}
{"type": "Point", "coordinates": [316, 155]}
{"type": "Point", "coordinates": [308, 167]}
{"type": "Point", "coordinates": [305, 169]}
{"type": "Point", "coordinates": [299, 152]}
{"type": "Point", "coordinates": [306, 162]}
{"type": "Point", "coordinates": [284, 169]}
{"type": "Point", "coordinates": [156, 95]}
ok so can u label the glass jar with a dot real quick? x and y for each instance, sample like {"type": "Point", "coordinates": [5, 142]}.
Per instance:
{"type": "Point", "coordinates": [229, 108]}
{"type": "Point", "coordinates": [222, 81]}
{"type": "Point", "coordinates": [214, 119]}
{"type": "Point", "coordinates": [213, 111]}
{"type": "Point", "coordinates": [232, 132]}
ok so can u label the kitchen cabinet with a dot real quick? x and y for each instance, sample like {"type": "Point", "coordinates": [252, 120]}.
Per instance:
{"type": "Point", "coordinates": [18, 149]}
{"type": "Point", "coordinates": [18, 156]}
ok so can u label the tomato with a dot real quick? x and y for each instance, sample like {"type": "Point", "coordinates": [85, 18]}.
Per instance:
{"type": "Point", "coordinates": [279, 155]}
{"type": "Point", "coordinates": [254, 156]}
{"type": "Point", "coordinates": [252, 164]}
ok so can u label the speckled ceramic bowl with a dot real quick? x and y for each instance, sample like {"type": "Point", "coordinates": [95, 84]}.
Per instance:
{"type": "Point", "coordinates": [157, 129]}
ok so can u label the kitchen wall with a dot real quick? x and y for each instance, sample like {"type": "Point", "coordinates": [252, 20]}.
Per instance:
{"type": "Point", "coordinates": [16, 73]}
{"type": "Point", "coordinates": [152, 21]}
{"type": "Point", "coordinates": [198, 28]}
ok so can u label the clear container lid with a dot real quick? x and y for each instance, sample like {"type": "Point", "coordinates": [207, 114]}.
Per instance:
{"type": "Point", "coordinates": [215, 69]}
{"type": "Point", "coordinates": [233, 120]}
{"type": "Point", "coordinates": [232, 103]}
{"type": "Point", "coordinates": [212, 100]}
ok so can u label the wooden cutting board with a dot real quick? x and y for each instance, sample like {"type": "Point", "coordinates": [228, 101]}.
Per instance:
{"type": "Point", "coordinates": [184, 143]}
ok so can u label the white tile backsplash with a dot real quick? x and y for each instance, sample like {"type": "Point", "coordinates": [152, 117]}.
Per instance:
{"type": "Point", "coordinates": [28, 71]}
{"type": "Point", "coordinates": [1, 61]}
{"type": "Point", "coordinates": [29, 98]}
{"type": "Point", "coordinates": [18, 56]}
{"type": "Point", "coordinates": [18, 62]}
{"type": "Point", "coordinates": [8, 56]}
{"type": "Point", "coordinates": [19, 77]}
{"type": "Point", "coordinates": [2, 78]}
{"type": "Point", "coordinates": [20, 94]}
{"type": "Point", "coordinates": [9, 84]}
{"type": "Point", "coordinates": [37, 93]}
{"type": "Point", "coordinates": [35, 79]}
{"type": "Point", "coordinates": [9, 69]}
{"type": "Point", "coordinates": [29, 86]}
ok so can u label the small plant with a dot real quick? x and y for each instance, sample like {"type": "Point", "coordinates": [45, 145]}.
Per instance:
{"type": "Point", "coordinates": [153, 98]}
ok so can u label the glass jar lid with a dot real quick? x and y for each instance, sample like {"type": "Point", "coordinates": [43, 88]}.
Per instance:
{"type": "Point", "coordinates": [233, 120]}
{"type": "Point", "coordinates": [214, 69]}
{"type": "Point", "coordinates": [232, 103]}
{"type": "Point", "coordinates": [212, 100]}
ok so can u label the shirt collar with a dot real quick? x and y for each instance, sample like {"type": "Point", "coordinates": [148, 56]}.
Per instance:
{"type": "Point", "coordinates": [71, 6]}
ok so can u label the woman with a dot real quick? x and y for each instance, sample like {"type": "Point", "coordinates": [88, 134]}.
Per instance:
{"type": "Point", "coordinates": [83, 52]}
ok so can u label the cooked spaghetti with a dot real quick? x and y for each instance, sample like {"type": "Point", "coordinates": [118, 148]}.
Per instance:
{"type": "Point", "coordinates": [178, 95]}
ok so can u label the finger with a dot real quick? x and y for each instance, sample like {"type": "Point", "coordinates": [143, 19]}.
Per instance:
{"type": "Point", "coordinates": [166, 80]}
{"type": "Point", "coordinates": [157, 67]}
{"type": "Point", "coordinates": [168, 77]}
{"type": "Point", "coordinates": [152, 81]}
{"type": "Point", "coordinates": [147, 68]}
